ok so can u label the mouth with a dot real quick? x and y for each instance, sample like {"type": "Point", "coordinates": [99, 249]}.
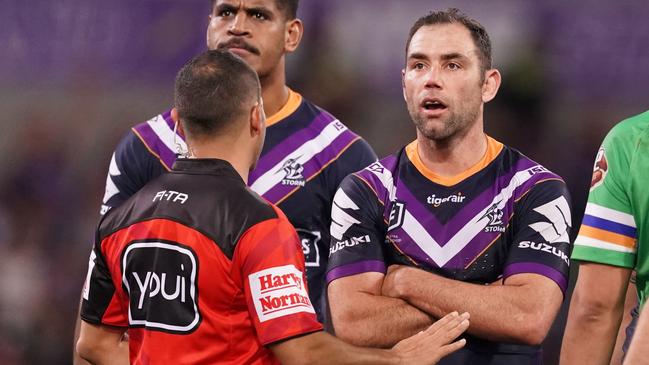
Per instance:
{"type": "Point", "coordinates": [238, 47]}
{"type": "Point", "coordinates": [433, 105]}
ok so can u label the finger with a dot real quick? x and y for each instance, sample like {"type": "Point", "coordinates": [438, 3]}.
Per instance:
{"type": "Point", "coordinates": [452, 347]}
{"type": "Point", "coordinates": [450, 332]}
{"type": "Point", "coordinates": [447, 320]}
{"type": "Point", "coordinates": [456, 322]}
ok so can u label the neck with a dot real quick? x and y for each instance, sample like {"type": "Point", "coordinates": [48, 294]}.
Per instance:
{"type": "Point", "coordinates": [454, 155]}
{"type": "Point", "coordinates": [224, 148]}
{"type": "Point", "coordinates": [274, 89]}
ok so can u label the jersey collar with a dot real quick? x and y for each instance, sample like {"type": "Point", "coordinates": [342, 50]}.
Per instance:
{"type": "Point", "coordinates": [493, 150]}
{"type": "Point", "coordinates": [294, 101]}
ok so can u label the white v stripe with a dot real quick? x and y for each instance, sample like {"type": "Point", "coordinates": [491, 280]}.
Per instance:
{"type": "Point", "coordinates": [301, 155]}
{"type": "Point", "coordinates": [442, 255]}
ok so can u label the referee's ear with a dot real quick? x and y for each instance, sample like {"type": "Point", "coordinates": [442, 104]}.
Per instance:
{"type": "Point", "coordinates": [257, 120]}
{"type": "Point", "coordinates": [177, 125]}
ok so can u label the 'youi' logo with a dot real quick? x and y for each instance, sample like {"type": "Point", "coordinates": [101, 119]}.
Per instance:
{"type": "Point", "coordinates": [160, 278]}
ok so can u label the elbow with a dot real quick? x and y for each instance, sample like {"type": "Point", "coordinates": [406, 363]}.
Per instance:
{"type": "Point", "coordinates": [535, 334]}
{"type": "Point", "coordinates": [594, 309]}
{"type": "Point", "coordinates": [86, 350]}
{"type": "Point", "coordinates": [346, 326]}
{"type": "Point", "coordinates": [532, 328]}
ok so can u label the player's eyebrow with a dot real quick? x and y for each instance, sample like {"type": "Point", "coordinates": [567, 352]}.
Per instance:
{"type": "Point", "coordinates": [261, 10]}
{"type": "Point", "coordinates": [417, 56]}
{"type": "Point", "coordinates": [266, 12]}
{"type": "Point", "coordinates": [453, 56]}
{"type": "Point", "coordinates": [225, 7]}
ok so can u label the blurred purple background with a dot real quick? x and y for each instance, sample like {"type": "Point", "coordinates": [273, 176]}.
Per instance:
{"type": "Point", "coordinates": [76, 74]}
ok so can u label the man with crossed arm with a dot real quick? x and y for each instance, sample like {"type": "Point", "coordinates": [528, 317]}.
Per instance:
{"type": "Point", "coordinates": [454, 221]}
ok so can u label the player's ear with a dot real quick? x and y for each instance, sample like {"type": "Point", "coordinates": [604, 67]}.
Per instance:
{"type": "Point", "coordinates": [294, 32]}
{"type": "Point", "coordinates": [491, 84]}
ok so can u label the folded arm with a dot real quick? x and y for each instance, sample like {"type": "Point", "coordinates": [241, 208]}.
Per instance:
{"type": "Point", "coordinates": [520, 310]}
{"type": "Point", "coordinates": [362, 316]}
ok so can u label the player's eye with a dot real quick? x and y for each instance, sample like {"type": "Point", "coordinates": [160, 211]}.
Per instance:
{"type": "Point", "coordinates": [225, 13]}
{"type": "Point", "coordinates": [453, 66]}
{"type": "Point", "coordinates": [259, 16]}
{"type": "Point", "coordinates": [418, 66]}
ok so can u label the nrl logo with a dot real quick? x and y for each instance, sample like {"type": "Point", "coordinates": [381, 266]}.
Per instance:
{"type": "Point", "coordinates": [293, 171]}
{"type": "Point", "coordinates": [599, 170]}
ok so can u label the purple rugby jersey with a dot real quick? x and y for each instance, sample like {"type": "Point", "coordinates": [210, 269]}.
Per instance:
{"type": "Point", "coordinates": [306, 155]}
{"type": "Point", "coordinates": [506, 215]}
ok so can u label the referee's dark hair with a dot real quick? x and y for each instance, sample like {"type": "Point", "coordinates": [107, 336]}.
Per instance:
{"type": "Point", "coordinates": [212, 91]}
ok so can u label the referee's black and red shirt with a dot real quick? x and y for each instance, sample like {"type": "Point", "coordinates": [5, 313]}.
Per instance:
{"type": "Point", "coordinates": [200, 269]}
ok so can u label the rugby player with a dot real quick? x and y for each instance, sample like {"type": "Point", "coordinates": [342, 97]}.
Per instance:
{"type": "Point", "coordinates": [204, 271]}
{"type": "Point", "coordinates": [612, 242]}
{"type": "Point", "coordinates": [453, 221]}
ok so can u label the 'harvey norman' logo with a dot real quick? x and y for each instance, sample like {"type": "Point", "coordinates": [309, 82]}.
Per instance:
{"type": "Point", "coordinates": [279, 291]}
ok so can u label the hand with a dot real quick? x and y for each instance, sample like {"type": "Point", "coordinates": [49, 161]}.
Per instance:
{"type": "Point", "coordinates": [432, 344]}
{"type": "Point", "coordinates": [393, 277]}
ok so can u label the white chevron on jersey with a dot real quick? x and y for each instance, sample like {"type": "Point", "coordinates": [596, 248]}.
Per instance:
{"type": "Point", "coordinates": [300, 155]}
{"type": "Point", "coordinates": [441, 255]}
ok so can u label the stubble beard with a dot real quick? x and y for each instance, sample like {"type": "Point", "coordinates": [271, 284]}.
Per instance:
{"type": "Point", "coordinates": [451, 126]}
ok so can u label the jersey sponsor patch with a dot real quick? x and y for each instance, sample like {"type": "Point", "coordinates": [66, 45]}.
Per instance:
{"type": "Point", "coordinates": [160, 278]}
{"type": "Point", "coordinates": [279, 291]}
{"type": "Point", "coordinates": [310, 241]}
{"type": "Point", "coordinates": [600, 169]}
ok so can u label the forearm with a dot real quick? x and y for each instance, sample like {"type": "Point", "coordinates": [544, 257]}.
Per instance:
{"type": "Point", "coordinates": [595, 313]}
{"type": "Point", "coordinates": [589, 337]}
{"type": "Point", "coordinates": [321, 348]}
{"type": "Point", "coordinates": [102, 345]}
{"type": "Point", "coordinates": [117, 355]}
{"type": "Point", "coordinates": [377, 321]}
{"type": "Point", "coordinates": [508, 313]}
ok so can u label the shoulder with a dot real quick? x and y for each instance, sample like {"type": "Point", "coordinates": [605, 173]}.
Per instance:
{"type": "Point", "coordinates": [159, 138]}
{"type": "Point", "coordinates": [629, 130]}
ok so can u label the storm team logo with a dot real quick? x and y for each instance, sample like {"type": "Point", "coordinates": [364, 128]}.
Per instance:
{"type": "Point", "coordinates": [599, 170]}
{"type": "Point", "coordinates": [293, 171]}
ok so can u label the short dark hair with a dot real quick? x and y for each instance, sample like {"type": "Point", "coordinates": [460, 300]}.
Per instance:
{"type": "Point", "coordinates": [213, 90]}
{"type": "Point", "coordinates": [288, 7]}
{"type": "Point", "coordinates": [453, 15]}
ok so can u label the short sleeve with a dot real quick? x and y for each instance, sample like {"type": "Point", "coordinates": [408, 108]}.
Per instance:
{"type": "Point", "coordinates": [357, 234]}
{"type": "Point", "coordinates": [608, 233]}
{"type": "Point", "coordinates": [541, 233]}
{"type": "Point", "coordinates": [100, 301]}
{"type": "Point", "coordinates": [132, 166]}
{"type": "Point", "coordinates": [270, 259]}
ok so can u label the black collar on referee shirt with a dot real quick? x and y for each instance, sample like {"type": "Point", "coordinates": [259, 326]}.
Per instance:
{"type": "Point", "coordinates": [211, 166]}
